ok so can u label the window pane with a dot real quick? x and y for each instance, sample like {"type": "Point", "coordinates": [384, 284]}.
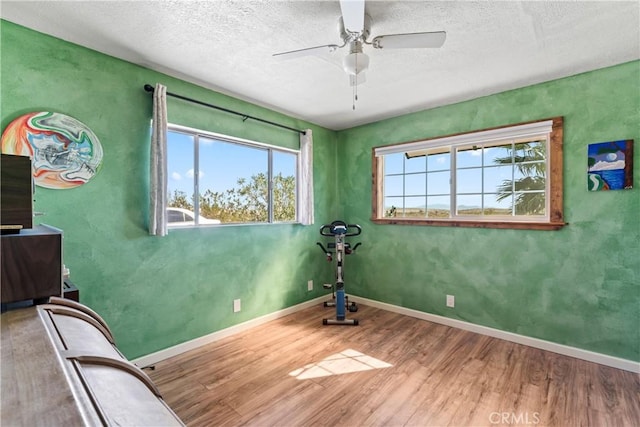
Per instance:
{"type": "Point", "coordinates": [530, 203]}
{"type": "Point", "coordinates": [469, 205]}
{"type": "Point", "coordinates": [469, 181]}
{"type": "Point", "coordinates": [415, 184]}
{"type": "Point", "coordinates": [415, 207]}
{"type": "Point", "coordinates": [415, 164]}
{"type": "Point", "coordinates": [438, 206]}
{"type": "Point", "coordinates": [284, 186]}
{"type": "Point", "coordinates": [467, 157]}
{"type": "Point", "coordinates": [393, 163]}
{"type": "Point", "coordinates": [392, 207]}
{"type": "Point", "coordinates": [497, 179]}
{"type": "Point", "coordinates": [393, 185]}
{"type": "Point", "coordinates": [437, 162]}
{"type": "Point", "coordinates": [530, 151]}
{"type": "Point", "coordinates": [438, 183]}
{"type": "Point", "coordinates": [497, 204]}
{"type": "Point", "coordinates": [233, 182]}
{"type": "Point", "coordinates": [529, 177]}
{"type": "Point", "coordinates": [180, 181]}
{"type": "Point", "coordinates": [498, 155]}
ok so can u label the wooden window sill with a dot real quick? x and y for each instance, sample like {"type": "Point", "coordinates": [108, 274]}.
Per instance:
{"type": "Point", "coordinates": [473, 224]}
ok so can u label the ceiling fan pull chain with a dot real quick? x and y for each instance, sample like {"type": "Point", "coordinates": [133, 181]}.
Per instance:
{"type": "Point", "coordinates": [355, 85]}
{"type": "Point", "coordinates": [353, 90]}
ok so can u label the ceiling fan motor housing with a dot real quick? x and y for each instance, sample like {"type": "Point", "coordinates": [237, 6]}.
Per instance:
{"type": "Point", "coordinates": [349, 36]}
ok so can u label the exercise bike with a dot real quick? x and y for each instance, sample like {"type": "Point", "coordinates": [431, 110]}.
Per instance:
{"type": "Point", "coordinates": [339, 230]}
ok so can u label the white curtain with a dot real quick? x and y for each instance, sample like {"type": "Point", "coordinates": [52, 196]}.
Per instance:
{"type": "Point", "coordinates": [305, 187]}
{"type": "Point", "coordinates": [158, 193]}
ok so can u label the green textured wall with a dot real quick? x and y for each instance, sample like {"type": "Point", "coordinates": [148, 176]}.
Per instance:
{"type": "Point", "coordinates": [158, 292]}
{"type": "Point", "coordinates": [579, 286]}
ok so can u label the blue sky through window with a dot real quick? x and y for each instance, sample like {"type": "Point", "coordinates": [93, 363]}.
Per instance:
{"type": "Point", "coordinates": [424, 181]}
{"type": "Point", "coordinates": [221, 163]}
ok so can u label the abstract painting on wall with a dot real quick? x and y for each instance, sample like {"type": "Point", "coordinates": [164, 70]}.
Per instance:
{"type": "Point", "coordinates": [64, 152]}
{"type": "Point", "coordinates": [610, 165]}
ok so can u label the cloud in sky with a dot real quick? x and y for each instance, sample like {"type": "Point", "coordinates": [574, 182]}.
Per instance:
{"type": "Point", "coordinates": [601, 166]}
{"type": "Point", "coordinates": [191, 173]}
{"type": "Point", "coordinates": [176, 176]}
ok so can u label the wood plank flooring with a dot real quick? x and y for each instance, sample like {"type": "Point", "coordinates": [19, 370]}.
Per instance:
{"type": "Point", "coordinates": [440, 376]}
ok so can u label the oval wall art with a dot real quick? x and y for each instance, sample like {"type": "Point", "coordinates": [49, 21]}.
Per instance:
{"type": "Point", "coordinates": [64, 152]}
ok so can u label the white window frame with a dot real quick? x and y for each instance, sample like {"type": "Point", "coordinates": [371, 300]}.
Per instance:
{"type": "Point", "coordinates": [549, 130]}
{"type": "Point", "coordinates": [198, 133]}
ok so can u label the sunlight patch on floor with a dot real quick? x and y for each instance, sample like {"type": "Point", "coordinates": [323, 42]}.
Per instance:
{"type": "Point", "coordinates": [345, 362]}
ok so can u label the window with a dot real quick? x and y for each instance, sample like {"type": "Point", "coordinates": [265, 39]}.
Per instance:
{"type": "Point", "coordinates": [217, 179]}
{"type": "Point", "coordinates": [507, 177]}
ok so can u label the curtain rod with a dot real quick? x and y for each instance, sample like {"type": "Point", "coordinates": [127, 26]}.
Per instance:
{"type": "Point", "coordinates": [151, 89]}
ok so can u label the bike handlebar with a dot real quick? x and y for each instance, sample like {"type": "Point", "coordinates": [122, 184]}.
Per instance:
{"type": "Point", "coordinates": [340, 227]}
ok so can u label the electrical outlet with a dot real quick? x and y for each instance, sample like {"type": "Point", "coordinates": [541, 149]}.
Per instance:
{"type": "Point", "coordinates": [451, 301]}
{"type": "Point", "coordinates": [236, 305]}
{"type": "Point", "coordinates": [310, 285]}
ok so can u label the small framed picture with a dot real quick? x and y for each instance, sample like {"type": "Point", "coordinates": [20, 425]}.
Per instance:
{"type": "Point", "coordinates": [610, 165]}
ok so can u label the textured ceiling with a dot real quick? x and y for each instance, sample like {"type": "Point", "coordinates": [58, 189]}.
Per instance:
{"type": "Point", "coordinates": [227, 46]}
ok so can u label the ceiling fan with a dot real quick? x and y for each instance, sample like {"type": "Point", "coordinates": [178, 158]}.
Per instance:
{"type": "Point", "coordinates": [354, 28]}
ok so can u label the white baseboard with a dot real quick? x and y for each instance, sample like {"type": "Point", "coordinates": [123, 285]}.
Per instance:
{"type": "Point", "coordinates": [153, 358]}
{"type": "Point", "coordinates": [603, 359]}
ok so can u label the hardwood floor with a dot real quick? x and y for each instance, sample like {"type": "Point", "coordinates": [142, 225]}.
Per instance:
{"type": "Point", "coordinates": [272, 375]}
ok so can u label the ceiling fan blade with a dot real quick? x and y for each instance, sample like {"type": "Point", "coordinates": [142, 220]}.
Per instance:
{"type": "Point", "coordinates": [411, 40]}
{"type": "Point", "coordinates": [353, 15]}
{"type": "Point", "coordinates": [306, 51]}
{"type": "Point", "coordinates": [357, 79]}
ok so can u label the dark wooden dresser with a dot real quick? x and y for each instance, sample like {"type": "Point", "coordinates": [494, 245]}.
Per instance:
{"type": "Point", "coordinates": [60, 367]}
{"type": "Point", "coordinates": [31, 264]}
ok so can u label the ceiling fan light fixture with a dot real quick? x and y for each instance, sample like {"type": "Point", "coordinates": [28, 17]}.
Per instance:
{"type": "Point", "coordinates": [355, 62]}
